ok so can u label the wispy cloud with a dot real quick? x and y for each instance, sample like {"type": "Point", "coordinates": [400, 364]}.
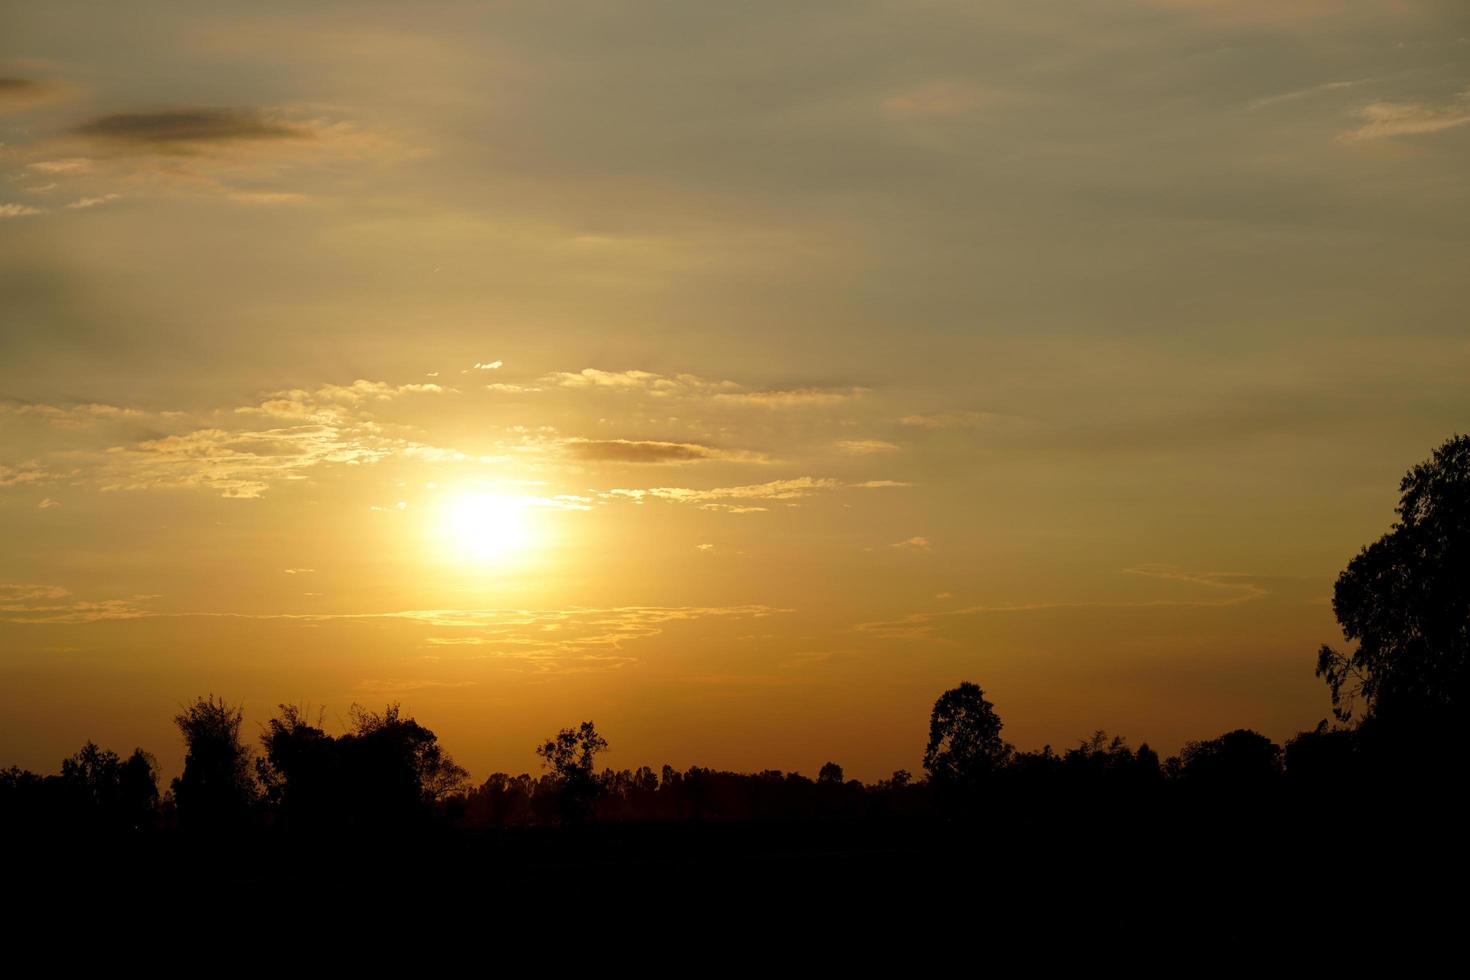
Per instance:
{"type": "Point", "coordinates": [1385, 120]}
{"type": "Point", "coordinates": [945, 98]}
{"type": "Point", "coordinates": [865, 447]}
{"type": "Point", "coordinates": [792, 397]}
{"type": "Point", "coordinates": [69, 166]}
{"type": "Point", "coordinates": [659, 385]}
{"type": "Point", "coordinates": [693, 386]}
{"type": "Point", "coordinates": [83, 203]}
{"type": "Point", "coordinates": [647, 451]}
{"type": "Point", "coordinates": [182, 130]}
{"type": "Point", "coordinates": [945, 420]}
{"type": "Point", "coordinates": [23, 94]}
{"type": "Point", "coordinates": [232, 463]}
{"type": "Point", "coordinates": [18, 210]}
{"type": "Point", "coordinates": [50, 604]}
{"type": "Point", "coordinates": [572, 639]}
{"type": "Point", "coordinates": [719, 498]}
{"type": "Point", "coordinates": [1228, 588]}
{"type": "Point", "coordinates": [1303, 93]}
{"type": "Point", "coordinates": [69, 416]}
{"type": "Point", "coordinates": [23, 473]}
{"type": "Point", "coordinates": [244, 154]}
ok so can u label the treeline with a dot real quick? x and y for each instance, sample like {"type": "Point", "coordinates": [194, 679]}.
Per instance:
{"type": "Point", "coordinates": [387, 771]}
{"type": "Point", "coordinates": [1399, 700]}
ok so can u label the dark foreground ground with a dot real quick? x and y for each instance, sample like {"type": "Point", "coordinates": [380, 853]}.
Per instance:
{"type": "Point", "coordinates": [1213, 879]}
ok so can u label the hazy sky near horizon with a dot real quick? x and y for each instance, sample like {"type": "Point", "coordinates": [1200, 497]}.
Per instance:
{"type": "Point", "coordinates": [737, 375]}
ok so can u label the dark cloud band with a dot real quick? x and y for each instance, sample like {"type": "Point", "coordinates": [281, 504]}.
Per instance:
{"type": "Point", "coordinates": [182, 127]}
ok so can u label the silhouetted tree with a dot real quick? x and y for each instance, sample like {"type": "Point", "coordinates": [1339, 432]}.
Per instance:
{"type": "Point", "coordinates": [105, 791]}
{"type": "Point", "coordinates": [395, 766]}
{"type": "Point", "coordinates": [830, 773]}
{"type": "Point", "coordinates": [965, 745]}
{"type": "Point", "coordinates": [1241, 761]}
{"type": "Point", "coordinates": [216, 789]}
{"type": "Point", "coordinates": [570, 756]}
{"type": "Point", "coordinates": [386, 771]}
{"type": "Point", "coordinates": [301, 771]}
{"type": "Point", "coordinates": [92, 776]}
{"type": "Point", "coordinates": [1405, 599]}
{"type": "Point", "coordinates": [1323, 760]}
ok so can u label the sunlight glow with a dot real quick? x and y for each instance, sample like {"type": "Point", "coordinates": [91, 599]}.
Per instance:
{"type": "Point", "coordinates": [486, 527]}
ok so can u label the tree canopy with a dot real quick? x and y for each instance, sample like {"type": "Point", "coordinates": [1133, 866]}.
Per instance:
{"type": "Point", "coordinates": [964, 737]}
{"type": "Point", "coordinates": [217, 787]}
{"type": "Point", "coordinates": [1405, 600]}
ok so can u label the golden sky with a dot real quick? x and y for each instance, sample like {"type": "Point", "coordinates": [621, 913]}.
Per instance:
{"type": "Point", "coordinates": [737, 375]}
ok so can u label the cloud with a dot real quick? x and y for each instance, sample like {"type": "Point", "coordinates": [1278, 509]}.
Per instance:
{"type": "Point", "coordinates": [18, 210]}
{"type": "Point", "coordinates": [649, 382]}
{"type": "Point", "coordinates": [28, 472]}
{"type": "Point", "coordinates": [792, 397]}
{"type": "Point", "coordinates": [382, 687]}
{"type": "Point", "coordinates": [236, 464]}
{"type": "Point", "coordinates": [267, 197]}
{"type": "Point", "coordinates": [1235, 583]}
{"type": "Point", "coordinates": [940, 99]}
{"type": "Point", "coordinates": [334, 403]}
{"type": "Point", "coordinates": [864, 447]}
{"type": "Point", "coordinates": [1385, 120]}
{"type": "Point", "coordinates": [649, 451]}
{"type": "Point", "coordinates": [489, 366]}
{"type": "Point", "coordinates": [945, 420]}
{"type": "Point", "coordinates": [71, 415]}
{"type": "Point", "coordinates": [793, 489]}
{"type": "Point", "coordinates": [630, 451]}
{"type": "Point", "coordinates": [298, 571]}
{"type": "Point", "coordinates": [242, 154]}
{"type": "Point", "coordinates": [576, 638]}
{"type": "Point", "coordinates": [1237, 588]}
{"type": "Point", "coordinates": [1303, 93]}
{"type": "Point", "coordinates": [912, 544]}
{"type": "Point", "coordinates": [70, 166]}
{"type": "Point", "coordinates": [180, 130]}
{"type": "Point", "coordinates": [51, 604]}
{"type": "Point", "coordinates": [694, 386]}
{"type": "Point", "coordinates": [47, 504]}
{"type": "Point", "coordinates": [573, 639]}
{"type": "Point", "coordinates": [23, 94]}
{"type": "Point", "coordinates": [718, 498]}
{"type": "Point", "coordinates": [91, 202]}
{"type": "Point", "coordinates": [1265, 13]}
{"type": "Point", "coordinates": [594, 378]}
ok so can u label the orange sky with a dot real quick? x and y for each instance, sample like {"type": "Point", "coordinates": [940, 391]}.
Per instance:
{"type": "Point", "coordinates": [737, 376]}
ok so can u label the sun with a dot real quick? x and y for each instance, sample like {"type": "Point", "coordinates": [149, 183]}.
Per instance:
{"type": "Point", "coordinates": [486, 527]}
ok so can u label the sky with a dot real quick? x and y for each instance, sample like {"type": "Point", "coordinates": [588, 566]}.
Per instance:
{"type": "Point", "coordinates": [737, 376]}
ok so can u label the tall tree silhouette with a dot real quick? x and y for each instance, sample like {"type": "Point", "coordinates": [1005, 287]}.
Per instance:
{"type": "Point", "coordinates": [571, 755]}
{"type": "Point", "coordinates": [107, 791]}
{"type": "Point", "coordinates": [964, 738]}
{"type": "Point", "coordinates": [302, 771]}
{"type": "Point", "coordinates": [386, 771]}
{"type": "Point", "coordinates": [1405, 599]}
{"type": "Point", "coordinates": [395, 767]}
{"type": "Point", "coordinates": [216, 789]}
{"type": "Point", "coordinates": [1241, 761]}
